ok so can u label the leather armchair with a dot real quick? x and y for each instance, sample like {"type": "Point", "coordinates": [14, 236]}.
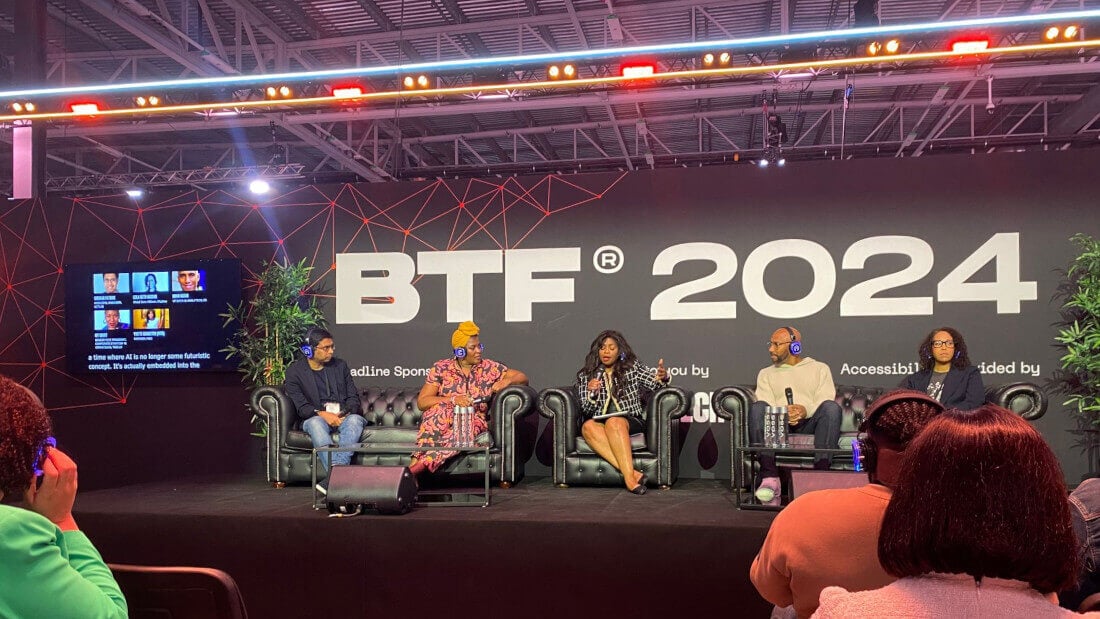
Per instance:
{"type": "Point", "coordinates": [393, 420]}
{"type": "Point", "coordinates": [656, 453]}
{"type": "Point", "coordinates": [732, 403]}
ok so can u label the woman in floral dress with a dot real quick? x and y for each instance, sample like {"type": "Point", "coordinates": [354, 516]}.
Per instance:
{"type": "Point", "coordinates": [457, 381]}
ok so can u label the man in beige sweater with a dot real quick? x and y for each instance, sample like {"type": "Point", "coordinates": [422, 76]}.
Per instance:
{"type": "Point", "coordinates": [805, 386]}
{"type": "Point", "coordinates": [830, 537]}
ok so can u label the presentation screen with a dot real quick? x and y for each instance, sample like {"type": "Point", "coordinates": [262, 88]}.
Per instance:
{"type": "Point", "coordinates": [150, 316]}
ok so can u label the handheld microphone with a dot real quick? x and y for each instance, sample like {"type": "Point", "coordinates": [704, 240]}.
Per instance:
{"type": "Point", "coordinates": [790, 396]}
{"type": "Point", "coordinates": [482, 400]}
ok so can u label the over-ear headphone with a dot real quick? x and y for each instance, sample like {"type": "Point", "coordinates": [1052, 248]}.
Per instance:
{"type": "Point", "coordinates": [460, 353]}
{"type": "Point", "coordinates": [884, 465]}
{"type": "Point", "coordinates": [313, 338]}
{"type": "Point", "coordinates": [796, 346]}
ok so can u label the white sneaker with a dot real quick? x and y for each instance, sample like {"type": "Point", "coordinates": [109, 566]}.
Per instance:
{"type": "Point", "coordinates": [321, 487]}
{"type": "Point", "coordinates": [769, 490]}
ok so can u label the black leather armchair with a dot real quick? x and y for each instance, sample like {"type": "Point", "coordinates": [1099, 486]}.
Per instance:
{"type": "Point", "coordinates": [393, 420]}
{"type": "Point", "coordinates": [656, 453]}
{"type": "Point", "coordinates": [732, 403]}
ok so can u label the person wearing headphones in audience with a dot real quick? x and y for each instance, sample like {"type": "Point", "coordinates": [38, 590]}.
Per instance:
{"type": "Point", "coordinates": [457, 381]}
{"type": "Point", "coordinates": [48, 567]}
{"type": "Point", "coordinates": [978, 526]}
{"type": "Point", "coordinates": [609, 388]}
{"type": "Point", "coordinates": [945, 371]}
{"type": "Point", "coordinates": [325, 397]}
{"type": "Point", "coordinates": [805, 386]}
{"type": "Point", "coordinates": [797, 561]}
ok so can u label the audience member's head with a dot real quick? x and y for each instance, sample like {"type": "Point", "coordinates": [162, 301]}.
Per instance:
{"type": "Point", "coordinates": [980, 493]}
{"type": "Point", "coordinates": [24, 428]}
{"type": "Point", "coordinates": [889, 424]}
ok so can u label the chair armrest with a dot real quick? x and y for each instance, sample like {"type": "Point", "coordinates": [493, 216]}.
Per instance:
{"type": "Point", "coordinates": [732, 404]}
{"type": "Point", "coordinates": [271, 403]}
{"type": "Point", "coordinates": [508, 406]}
{"type": "Point", "coordinates": [663, 414]}
{"type": "Point", "coordinates": [560, 406]}
{"type": "Point", "coordinates": [1025, 399]}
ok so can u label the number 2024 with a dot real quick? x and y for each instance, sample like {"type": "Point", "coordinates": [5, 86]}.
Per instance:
{"type": "Point", "coordinates": [1006, 290]}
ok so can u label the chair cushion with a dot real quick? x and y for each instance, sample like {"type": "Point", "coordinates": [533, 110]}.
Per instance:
{"type": "Point", "coordinates": [637, 443]}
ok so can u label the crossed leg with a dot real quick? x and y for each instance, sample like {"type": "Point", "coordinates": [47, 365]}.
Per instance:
{"type": "Point", "coordinates": [611, 440]}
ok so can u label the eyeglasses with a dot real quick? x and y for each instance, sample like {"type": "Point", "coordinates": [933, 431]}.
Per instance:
{"type": "Point", "coordinates": [943, 344]}
{"type": "Point", "coordinates": [329, 347]}
{"type": "Point", "coordinates": [40, 457]}
{"type": "Point", "coordinates": [776, 344]}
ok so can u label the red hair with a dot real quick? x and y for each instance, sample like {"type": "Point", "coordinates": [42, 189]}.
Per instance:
{"type": "Point", "coordinates": [980, 493]}
{"type": "Point", "coordinates": [24, 426]}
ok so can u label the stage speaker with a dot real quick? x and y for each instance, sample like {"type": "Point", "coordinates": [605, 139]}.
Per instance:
{"type": "Point", "coordinates": [808, 480]}
{"type": "Point", "coordinates": [387, 489]}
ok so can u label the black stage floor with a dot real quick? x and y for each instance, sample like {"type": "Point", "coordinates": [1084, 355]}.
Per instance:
{"type": "Point", "coordinates": [537, 551]}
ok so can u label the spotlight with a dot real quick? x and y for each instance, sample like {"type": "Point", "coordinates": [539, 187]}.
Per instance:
{"type": "Point", "coordinates": [30, 107]}
{"type": "Point", "coordinates": [284, 91]}
{"type": "Point", "coordinates": [893, 46]}
{"type": "Point", "coordinates": [141, 101]}
{"type": "Point", "coordinates": [762, 163]}
{"type": "Point", "coordinates": [422, 81]}
{"type": "Point", "coordinates": [569, 71]}
{"type": "Point", "coordinates": [154, 101]}
{"type": "Point", "coordinates": [347, 92]}
{"type": "Point", "coordinates": [259, 186]}
{"type": "Point", "coordinates": [1071, 32]}
{"type": "Point", "coordinates": [782, 162]}
{"type": "Point", "coordinates": [708, 59]}
{"type": "Point", "coordinates": [1051, 33]}
{"type": "Point", "coordinates": [271, 92]}
{"type": "Point", "coordinates": [409, 81]}
{"type": "Point", "coordinates": [554, 72]}
{"type": "Point", "coordinates": [17, 107]}
{"type": "Point", "coordinates": [135, 193]}
{"type": "Point", "coordinates": [874, 47]}
{"type": "Point", "coordinates": [279, 92]}
{"type": "Point", "coordinates": [724, 58]}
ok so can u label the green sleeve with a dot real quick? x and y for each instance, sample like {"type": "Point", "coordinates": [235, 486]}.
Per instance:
{"type": "Point", "coordinates": [47, 573]}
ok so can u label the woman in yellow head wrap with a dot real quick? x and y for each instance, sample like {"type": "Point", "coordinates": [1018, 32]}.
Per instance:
{"type": "Point", "coordinates": [457, 381]}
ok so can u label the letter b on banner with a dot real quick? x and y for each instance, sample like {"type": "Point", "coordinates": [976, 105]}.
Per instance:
{"type": "Point", "coordinates": [375, 288]}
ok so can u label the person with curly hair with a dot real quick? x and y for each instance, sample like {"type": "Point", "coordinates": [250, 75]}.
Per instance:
{"type": "Point", "coordinates": [946, 372]}
{"type": "Point", "coordinates": [978, 526]}
{"type": "Point", "coordinates": [609, 388]}
{"type": "Point", "coordinates": [799, 559]}
{"type": "Point", "coordinates": [48, 568]}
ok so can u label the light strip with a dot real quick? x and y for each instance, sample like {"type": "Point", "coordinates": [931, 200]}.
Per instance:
{"type": "Point", "coordinates": [624, 52]}
{"type": "Point", "coordinates": [214, 107]}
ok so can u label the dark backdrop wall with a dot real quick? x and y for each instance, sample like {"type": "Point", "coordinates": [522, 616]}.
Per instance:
{"type": "Point", "coordinates": [695, 266]}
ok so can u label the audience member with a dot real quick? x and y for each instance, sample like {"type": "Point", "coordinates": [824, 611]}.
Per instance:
{"type": "Point", "coordinates": [830, 537]}
{"type": "Point", "coordinates": [48, 567]}
{"type": "Point", "coordinates": [978, 526]}
{"type": "Point", "coordinates": [1084, 503]}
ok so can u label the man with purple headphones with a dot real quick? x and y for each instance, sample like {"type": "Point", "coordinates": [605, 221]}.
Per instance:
{"type": "Point", "coordinates": [323, 393]}
{"type": "Point", "coordinates": [805, 386]}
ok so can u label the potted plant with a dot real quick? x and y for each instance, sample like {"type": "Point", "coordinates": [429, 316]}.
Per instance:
{"type": "Point", "coordinates": [272, 326]}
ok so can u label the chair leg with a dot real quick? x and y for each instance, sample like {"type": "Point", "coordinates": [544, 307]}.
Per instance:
{"type": "Point", "coordinates": [278, 484]}
{"type": "Point", "coordinates": [563, 485]}
{"type": "Point", "coordinates": [664, 487]}
{"type": "Point", "coordinates": [506, 484]}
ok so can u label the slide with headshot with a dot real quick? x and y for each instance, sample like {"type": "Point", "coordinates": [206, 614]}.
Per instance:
{"type": "Point", "coordinates": [149, 282]}
{"type": "Point", "coordinates": [151, 318]}
{"type": "Point", "coordinates": [111, 283]}
{"type": "Point", "coordinates": [112, 320]}
{"type": "Point", "coordinates": [188, 280]}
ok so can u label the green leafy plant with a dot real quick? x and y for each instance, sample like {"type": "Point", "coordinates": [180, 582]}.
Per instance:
{"type": "Point", "coordinates": [272, 327]}
{"type": "Point", "coordinates": [1079, 336]}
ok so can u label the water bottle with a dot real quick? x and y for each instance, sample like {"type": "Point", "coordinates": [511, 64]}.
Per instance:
{"type": "Point", "coordinates": [782, 418]}
{"type": "Point", "coordinates": [857, 461]}
{"type": "Point", "coordinates": [463, 426]}
{"type": "Point", "coordinates": [769, 427]}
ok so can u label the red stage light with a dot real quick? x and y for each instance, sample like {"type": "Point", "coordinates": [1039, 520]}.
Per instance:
{"type": "Point", "coordinates": [638, 70]}
{"type": "Point", "coordinates": [970, 47]}
{"type": "Point", "coordinates": [84, 108]}
{"type": "Point", "coordinates": [347, 92]}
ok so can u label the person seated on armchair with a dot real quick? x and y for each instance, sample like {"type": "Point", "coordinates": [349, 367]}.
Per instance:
{"type": "Point", "coordinates": [457, 381]}
{"type": "Point", "coordinates": [48, 567]}
{"type": "Point", "coordinates": [797, 561]}
{"type": "Point", "coordinates": [945, 371]}
{"type": "Point", "coordinates": [325, 397]}
{"type": "Point", "coordinates": [805, 386]}
{"type": "Point", "coordinates": [609, 388]}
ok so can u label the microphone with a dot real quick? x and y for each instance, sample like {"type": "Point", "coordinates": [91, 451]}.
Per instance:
{"type": "Point", "coordinates": [482, 400]}
{"type": "Point", "coordinates": [790, 396]}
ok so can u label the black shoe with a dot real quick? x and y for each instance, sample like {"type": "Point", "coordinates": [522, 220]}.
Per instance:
{"type": "Point", "coordinates": [639, 490]}
{"type": "Point", "coordinates": [643, 480]}
{"type": "Point", "coordinates": [322, 487]}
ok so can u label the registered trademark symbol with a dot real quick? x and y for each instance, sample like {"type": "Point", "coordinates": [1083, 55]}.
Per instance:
{"type": "Point", "coordinates": [608, 259]}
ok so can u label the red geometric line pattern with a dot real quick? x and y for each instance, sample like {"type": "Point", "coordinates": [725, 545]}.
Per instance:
{"type": "Point", "coordinates": [37, 238]}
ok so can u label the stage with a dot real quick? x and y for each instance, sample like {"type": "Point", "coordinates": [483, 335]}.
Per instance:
{"type": "Point", "coordinates": [537, 551]}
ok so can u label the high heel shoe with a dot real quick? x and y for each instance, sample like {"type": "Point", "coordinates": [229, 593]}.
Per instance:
{"type": "Point", "coordinates": [639, 490]}
{"type": "Point", "coordinates": [643, 480]}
